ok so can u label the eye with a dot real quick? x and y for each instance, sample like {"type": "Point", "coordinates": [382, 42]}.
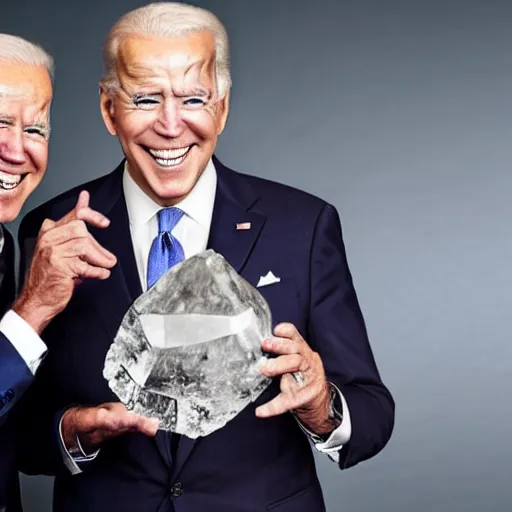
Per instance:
{"type": "Point", "coordinates": [194, 102]}
{"type": "Point", "coordinates": [34, 130]}
{"type": "Point", "coordinates": [145, 101]}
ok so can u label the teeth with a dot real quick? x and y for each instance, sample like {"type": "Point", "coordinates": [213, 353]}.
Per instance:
{"type": "Point", "coordinates": [10, 179]}
{"type": "Point", "coordinates": [8, 186]}
{"type": "Point", "coordinates": [169, 154]}
{"type": "Point", "coordinates": [169, 162]}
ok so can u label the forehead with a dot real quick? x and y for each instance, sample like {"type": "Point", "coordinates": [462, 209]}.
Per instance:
{"type": "Point", "coordinates": [142, 57]}
{"type": "Point", "coordinates": [31, 85]}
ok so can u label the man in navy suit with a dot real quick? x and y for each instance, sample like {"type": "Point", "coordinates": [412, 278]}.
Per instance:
{"type": "Point", "coordinates": [25, 98]}
{"type": "Point", "coordinates": [26, 73]}
{"type": "Point", "coordinates": [165, 95]}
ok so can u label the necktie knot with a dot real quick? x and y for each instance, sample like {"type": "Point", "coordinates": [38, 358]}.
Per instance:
{"type": "Point", "coordinates": [168, 218]}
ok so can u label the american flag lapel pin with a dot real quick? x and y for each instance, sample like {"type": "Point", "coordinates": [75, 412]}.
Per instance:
{"type": "Point", "coordinates": [241, 226]}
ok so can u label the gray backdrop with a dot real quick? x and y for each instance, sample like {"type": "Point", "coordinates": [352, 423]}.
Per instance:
{"type": "Point", "coordinates": [399, 113]}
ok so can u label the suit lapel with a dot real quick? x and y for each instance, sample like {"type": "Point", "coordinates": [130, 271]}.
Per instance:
{"type": "Point", "coordinates": [233, 200]}
{"type": "Point", "coordinates": [116, 293]}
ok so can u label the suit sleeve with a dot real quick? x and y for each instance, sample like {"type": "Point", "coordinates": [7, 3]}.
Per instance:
{"type": "Point", "coordinates": [20, 347]}
{"type": "Point", "coordinates": [38, 449]}
{"type": "Point", "coordinates": [337, 332]}
{"type": "Point", "coordinates": [15, 376]}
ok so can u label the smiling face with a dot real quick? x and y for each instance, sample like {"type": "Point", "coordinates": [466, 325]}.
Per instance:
{"type": "Point", "coordinates": [25, 98]}
{"type": "Point", "coordinates": [166, 111]}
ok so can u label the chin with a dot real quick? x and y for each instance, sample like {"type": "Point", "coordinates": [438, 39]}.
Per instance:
{"type": "Point", "coordinates": [8, 214]}
{"type": "Point", "coordinates": [173, 190]}
{"type": "Point", "coordinates": [171, 197]}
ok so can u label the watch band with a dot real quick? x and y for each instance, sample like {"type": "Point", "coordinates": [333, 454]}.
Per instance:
{"type": "Point", "coordinates": [77, 450]}
{"type": "Point", "coordinates": [335, 413]}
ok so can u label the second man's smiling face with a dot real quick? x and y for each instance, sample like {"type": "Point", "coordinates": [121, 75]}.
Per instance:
{"type": "Point", "coordinates": [166, 111]}
{"type": "Point", "coordinates": [25, 99]}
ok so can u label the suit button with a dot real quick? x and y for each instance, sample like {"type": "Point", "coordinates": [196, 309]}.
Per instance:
{"type": "Point", "coordinates": [177, 489]}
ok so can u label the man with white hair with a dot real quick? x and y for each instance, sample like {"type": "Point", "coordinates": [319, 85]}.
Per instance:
{"type": "Point", "coordinates": [165, 95]}
{"type": "Point", "coordinates": [64, 249]}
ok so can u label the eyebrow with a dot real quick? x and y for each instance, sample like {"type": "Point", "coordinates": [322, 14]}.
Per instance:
{"type": "Point", "coordinates": [197, 91]}
{"type": "Point", "coordinates": [193, 91]}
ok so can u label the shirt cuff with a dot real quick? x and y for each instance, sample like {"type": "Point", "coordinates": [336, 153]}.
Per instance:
{"type": "Point", "coordinates": [24, 339]}
{"type": "Point", "coordinates": [72, 461]}
{"type": "Point", "coordinates": [338, 437]}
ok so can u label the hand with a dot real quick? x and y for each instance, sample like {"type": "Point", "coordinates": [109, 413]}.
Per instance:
{"type": "Point", "coordinates": [65, 253]}
{"type": "Point", "coordinates": [94, 425]}
{"type": "Point", "coordinates": [310, 399]}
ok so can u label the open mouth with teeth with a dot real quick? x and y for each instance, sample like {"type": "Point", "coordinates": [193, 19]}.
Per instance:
{"type": "Point", "coordinates": [10, 181]}
{"type": "Point", "coordinates": [169, 157]}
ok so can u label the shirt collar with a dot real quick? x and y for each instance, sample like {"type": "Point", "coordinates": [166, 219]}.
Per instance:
{"type": "Point", "coordinates": [198, 204]}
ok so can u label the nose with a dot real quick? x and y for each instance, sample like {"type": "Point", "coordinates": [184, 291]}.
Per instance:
{"type": "Point", "coordinates": [169, 122]}
{"type": "Point", "coordinates": [12, 149]}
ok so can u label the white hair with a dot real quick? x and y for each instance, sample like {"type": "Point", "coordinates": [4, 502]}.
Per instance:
{"type": "Point", "coordinates": [19, 50]}
{"type": "Point", "coordinates": [167, 19]}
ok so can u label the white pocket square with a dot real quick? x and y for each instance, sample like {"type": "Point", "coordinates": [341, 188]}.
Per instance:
{"type": "Point", "coordinates": [270, 278]}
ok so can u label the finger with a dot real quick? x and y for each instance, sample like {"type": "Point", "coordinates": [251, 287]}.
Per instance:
{"type": "Point", "coordinates": [59, 234]}
{"type": "Point", "coordinates": [148, 426]}
{"type": "Point", "coordinates": [46, 226]}
{"type": "Point", "coordinates": [282, 346]}
{"type": "Point", "coordinates": [137, 421]}
{"type": "Point", "coordinates": [287, 330]}
{"type": "Point", "coordinates": [88, 250]}
{"type": "Point", "coordinates": [133, 422]}
{"type": "Point", "coordinates": [74, 237]}
{"type": "Point", "coordinates": [111, 257]}
{"type": "Point", "coordinates": [283, 364]}
{"type": "Point", "coordinates": [116, 419]}
{"type": "Point", "coordinates": [79, 270]}
{"type": "Point", "coordinates": [92, 217]}
{"type": "Point", "coordinates": [278, 405]}
{"type": "Point", "coordinates": [291, 397]}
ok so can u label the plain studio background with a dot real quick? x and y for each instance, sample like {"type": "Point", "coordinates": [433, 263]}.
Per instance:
{"type": "Point", "coordinates": [400, 114]}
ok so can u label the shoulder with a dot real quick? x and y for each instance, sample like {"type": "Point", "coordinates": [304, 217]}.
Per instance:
{"type": "Point", "coordinates": [275, 197]}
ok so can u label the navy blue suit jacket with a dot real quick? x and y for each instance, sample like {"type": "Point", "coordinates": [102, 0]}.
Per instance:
{"type": "Point", "coordinates": [251, 464]}
{"type": "Point", "coordinates": [15, 377]}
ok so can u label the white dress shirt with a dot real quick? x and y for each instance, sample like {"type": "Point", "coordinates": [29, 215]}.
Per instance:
{"type": "Point", "coordinates": [192, 231]}
{"type": "Point", "coordinates": [24, 339]}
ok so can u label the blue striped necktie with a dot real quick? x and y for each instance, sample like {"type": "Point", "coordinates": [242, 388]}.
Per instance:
{"type": "Point", "coordinates": [166, 251]}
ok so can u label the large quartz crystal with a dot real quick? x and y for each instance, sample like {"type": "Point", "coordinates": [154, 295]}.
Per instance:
{"type": "Point", "coordinates": [187, 350]}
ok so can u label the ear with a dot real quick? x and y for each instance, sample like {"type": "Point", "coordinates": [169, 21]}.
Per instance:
{"type": "Point", "coordinates": [222, 113]}
{"type": "Point", "coordinates": [108, 111]}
